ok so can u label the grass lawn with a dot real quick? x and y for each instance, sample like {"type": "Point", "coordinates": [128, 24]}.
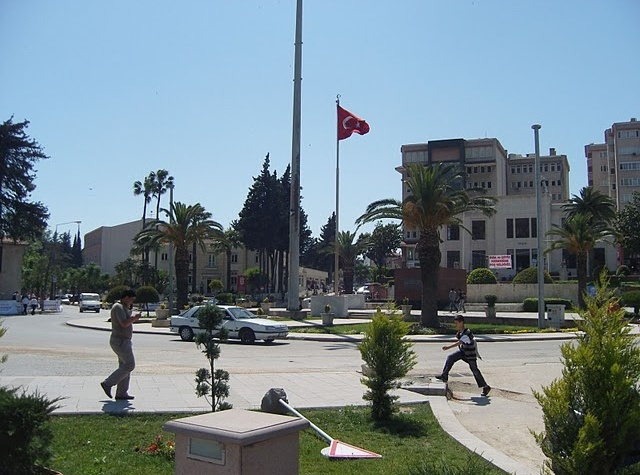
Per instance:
{"type": "Point", "coordinates": [412, 443]}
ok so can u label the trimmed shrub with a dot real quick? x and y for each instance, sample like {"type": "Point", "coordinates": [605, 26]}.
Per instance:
{"type": "Point", "coordinates": [530, 276]}
{"type": "Point", "coordinates": [114, 294]}
{"type": "Point", "coordinates": [595, 273]}
{"type": "Point", "coordinates": [531, 304]}
{"type": "Point", "coordinates": [491, 300]}
{"type": "Point", "coordinates": [226, 298]}
{"type": "Point", "coordinates": [146, 295]}
{"type": "Point", "coordinates": [482, 275]}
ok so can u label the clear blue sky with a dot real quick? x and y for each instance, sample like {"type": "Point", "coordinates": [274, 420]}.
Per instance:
{"type": "Point", "coordinates": [204, 89]}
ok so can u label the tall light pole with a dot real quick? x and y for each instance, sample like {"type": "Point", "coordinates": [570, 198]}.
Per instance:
{"type": "Point", "coordinates": [293, 301]}
{"type": "Point", "coordinates": [540, 261]}
{"type": "Point", "coordinates": [171, 250]}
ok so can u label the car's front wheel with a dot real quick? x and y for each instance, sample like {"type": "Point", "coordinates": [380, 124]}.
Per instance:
{"type": "Point", "coordinates": [247, 335]}
{"type": "Point", "coordinates": [186, 333]}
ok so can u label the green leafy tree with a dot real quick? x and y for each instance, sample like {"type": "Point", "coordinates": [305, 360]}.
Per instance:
{"type": "Point", "coordinates": [20, 218]}
{"type": "Point", "coordinates": [579, 235]}
{"type": "Point", "coordinates": [145, 189]}
{"type": "Point", "coordinates": [382, 243]}
{"type": "Point", "coordinates": [190, 224]}
{"type": "Point", "coordinates": [115, 293]}
{"type": "Point", "coordinates": [628, 226]}
{"type": "Point", "coordinates": [592, 413]}
{"type": "Point", "coordinates": [146, 295]}
{"type": "Point", "coordinates": [389, 357]}
{"type": "Point", "coordinates": [591, 202]}
{"type": "Point", "coordinates": [215, 286]}
{"type": "Point", "coordinates": [436, 199]}
{"type": "Point", "coordinates": [210, 381]}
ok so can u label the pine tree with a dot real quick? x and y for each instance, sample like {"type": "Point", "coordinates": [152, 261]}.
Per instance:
{"type": "Point", "coordinates": [592, 413]}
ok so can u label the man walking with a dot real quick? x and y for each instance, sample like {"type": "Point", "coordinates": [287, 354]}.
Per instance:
{"type": "Point", "coordinates": [452, 300]}
{"type": "Point", "coordinates": [121, 332]}
{"type": "Point", "coordinates": [467, 352]}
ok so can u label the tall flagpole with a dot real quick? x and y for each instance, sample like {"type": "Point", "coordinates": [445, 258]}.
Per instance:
{"type": "Point", "coordinates": [293, 301]}
{"type": "Point", "coordinates": [336, 263]}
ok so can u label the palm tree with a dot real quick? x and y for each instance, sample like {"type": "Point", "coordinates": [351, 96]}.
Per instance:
{"type": "Point", "coordinates": [190, 224]}
{"type": "Point", "coordinates": [161, 183]}
{"type": "Point", "coordinates": [436, 199]}
{"type": "Point", "coordinates": [592, 203]}
{"type": "Point", "coordinates": [578, 235]}
{"type": "Point", "coordinates": [348, 249]}
{"type": "Point", "coordinates": [230, 240]}
{"type": "Point", "coordinates": [146, 190]}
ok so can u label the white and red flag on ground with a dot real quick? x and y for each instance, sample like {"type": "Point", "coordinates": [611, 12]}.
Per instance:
{"type": "Point", "coordinates": [349, 123]}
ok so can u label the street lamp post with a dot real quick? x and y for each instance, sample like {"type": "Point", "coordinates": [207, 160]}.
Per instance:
{"type": "Point", "coordinates": [540, 262]}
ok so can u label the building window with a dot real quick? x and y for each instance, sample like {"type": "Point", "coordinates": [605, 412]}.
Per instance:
{"type": "Point", "coordinates": [234, 258]}
{"type": "Point", "coordinates": [478, 232]}
{"type": "Point", "coordinates": [190, 257]}
{"type": "Point", "coordinates": [522, 227]}
{"type": "Point", "coordinates": [453, 259]}
{"type": "Point", "coordinates": [234, 280]}
{"type": "Point", "coordinates": [453, 233]}
{"type": "Point", "coordinates": [482, 169]}
{"type": "Point", "coordinates": [257, 258]}
{"type": "Point", "coordinates": [478, 259]}
{"type": "Point", "coordinates": [469, 170]}
{"type": "Point", "coordinates": [164, 256]}
{"type": "Point", "coordinates": [534, 227]}
{"type": "Point", "coordinates": [488, 184]}
{"type": "Point", "coordinates": [489, 169]}
{"type": "Point", "coordinates": [211, 260]}
{"type": "Point", "coordinates": [509, 228]}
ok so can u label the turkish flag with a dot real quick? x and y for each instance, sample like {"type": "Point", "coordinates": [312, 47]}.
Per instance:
{"type": "Point", "coordinates": [349, 123]}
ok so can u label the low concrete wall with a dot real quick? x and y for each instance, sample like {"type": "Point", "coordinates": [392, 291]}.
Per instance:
{"type": "Point", "coordinates": [340, 304]}
{"type": "Point", "coordinates": [518, 292]}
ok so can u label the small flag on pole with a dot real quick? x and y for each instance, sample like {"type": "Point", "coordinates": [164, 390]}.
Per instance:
{"type": "Point", "coordinates": [349, 123]}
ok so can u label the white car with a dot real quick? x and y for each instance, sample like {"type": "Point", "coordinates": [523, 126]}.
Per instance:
{"type": "Point", "coordinates": [89, 301]}
{"type": "Point", "coordinates": [239, 322]}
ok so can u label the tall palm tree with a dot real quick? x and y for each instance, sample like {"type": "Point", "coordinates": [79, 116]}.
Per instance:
{"type": "Point", "coordinates": [592, 203]}
{"type": "Point", "coordinates": [190, 224]}
{"type": "Point", "coordinates": [436, 199]}
{"type": "Point", "coordinates": [230, 240]}
{"type": "Point", "coordinates": [578, 235]}
{"type": "Point", "coordinates": [146, 190]}
{"type": "Point", "coordinates": [161, 184]}
{"type": "Point", "coordinates": [349, 248]}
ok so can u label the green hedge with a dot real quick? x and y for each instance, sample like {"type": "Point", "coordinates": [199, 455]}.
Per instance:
{"type": "Point", "coordinates": [482, 275]}
{"type": "Point", "coordinates": [531, 304]}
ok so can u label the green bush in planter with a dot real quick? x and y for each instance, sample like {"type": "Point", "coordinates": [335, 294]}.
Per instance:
{"type": "Point", "coordinates": [146, 295]}
{"type": "Point", "coordinates": [530, 276]}
{"type": "Point", "coordinates": [226, 298]}
{"type": "Point", "coordinates": [623, 270]}
{"type": "Point", "coordinates": [481, 275]}
{"type": "Point", "coordinates": [491, 300]}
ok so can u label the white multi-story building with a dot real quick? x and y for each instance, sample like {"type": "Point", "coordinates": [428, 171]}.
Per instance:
{"type": "Point", "coordinates": [513, 229]}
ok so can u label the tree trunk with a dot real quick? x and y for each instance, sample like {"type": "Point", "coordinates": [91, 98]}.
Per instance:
{"type": "Point", "coordinates": [194, 270]}
{"type": "Point", "coordinates": [581, 270]}
{"type": "Point", "coordinates": [428, 249]}
{"type": "Point", "coordinates": [229, 270]}
{"type": "Point", "coordinates": [182, 276]}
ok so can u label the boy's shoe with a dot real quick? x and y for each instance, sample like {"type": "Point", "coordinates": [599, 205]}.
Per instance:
{"type": "Point", "coordinates": [106, 389]}
{"type": "Point", "coordinates": [439, 377]}
{"type": "Point", "coordinates": [485, 390]}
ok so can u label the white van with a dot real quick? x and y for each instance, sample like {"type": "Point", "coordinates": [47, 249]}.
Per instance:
{"type": "Point", "coordinates": [89, 301]}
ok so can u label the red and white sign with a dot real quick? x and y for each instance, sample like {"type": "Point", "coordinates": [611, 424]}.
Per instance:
{"type": "Point", "coordinates": [500, 262]}
{"type": "Point", "coordinates": [341, 450]}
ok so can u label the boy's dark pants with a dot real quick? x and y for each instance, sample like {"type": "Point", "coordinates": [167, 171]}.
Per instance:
{"type": "Point", "coordinates": [473, 365]}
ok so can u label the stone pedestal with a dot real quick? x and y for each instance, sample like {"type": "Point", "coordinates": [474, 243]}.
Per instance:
{"type": "Point", "coordinates": [237, 442]}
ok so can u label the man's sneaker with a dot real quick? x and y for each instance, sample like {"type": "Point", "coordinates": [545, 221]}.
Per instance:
{"type": "Point", "coordinates": [485, 390]}
{"type": "Point", "coordinates": [439, 377]}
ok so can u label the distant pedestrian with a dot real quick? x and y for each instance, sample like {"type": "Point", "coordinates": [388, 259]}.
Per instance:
{"type": "Point", "coordinates": [121, 332]}
{"type": "Point", "coordinates": [25, 304]}
{"type": "Point", "coordinates": [33, 303]}
{"type": "Point", "coordinates": [462, 298]}
{"type": "Point", "coordinates": [467, 352]}
{"type": "Point", "coordinates": [452, 300]}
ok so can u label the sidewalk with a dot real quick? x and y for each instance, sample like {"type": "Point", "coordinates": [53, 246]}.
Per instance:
{"type": "Point", "coordinates": [498, 427]}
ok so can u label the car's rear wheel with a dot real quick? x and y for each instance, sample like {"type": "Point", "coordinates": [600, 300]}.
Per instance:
{"type": "Point", "coordinates": [186, 333]}
{"type": "Point", "coordinates": [247, 335]}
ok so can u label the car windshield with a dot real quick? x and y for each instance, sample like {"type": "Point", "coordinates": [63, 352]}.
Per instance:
{"type": "Point", "coordinates": [240, 313]}
{"type": "Point", "coordinates": [90, 297]}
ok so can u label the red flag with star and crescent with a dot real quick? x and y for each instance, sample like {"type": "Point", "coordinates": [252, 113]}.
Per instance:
{"type": "Point", "coordinates": [349, 123]}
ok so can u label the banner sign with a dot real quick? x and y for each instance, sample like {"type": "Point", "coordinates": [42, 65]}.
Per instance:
{"type": "Point", "coordinates": [500, 262]}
